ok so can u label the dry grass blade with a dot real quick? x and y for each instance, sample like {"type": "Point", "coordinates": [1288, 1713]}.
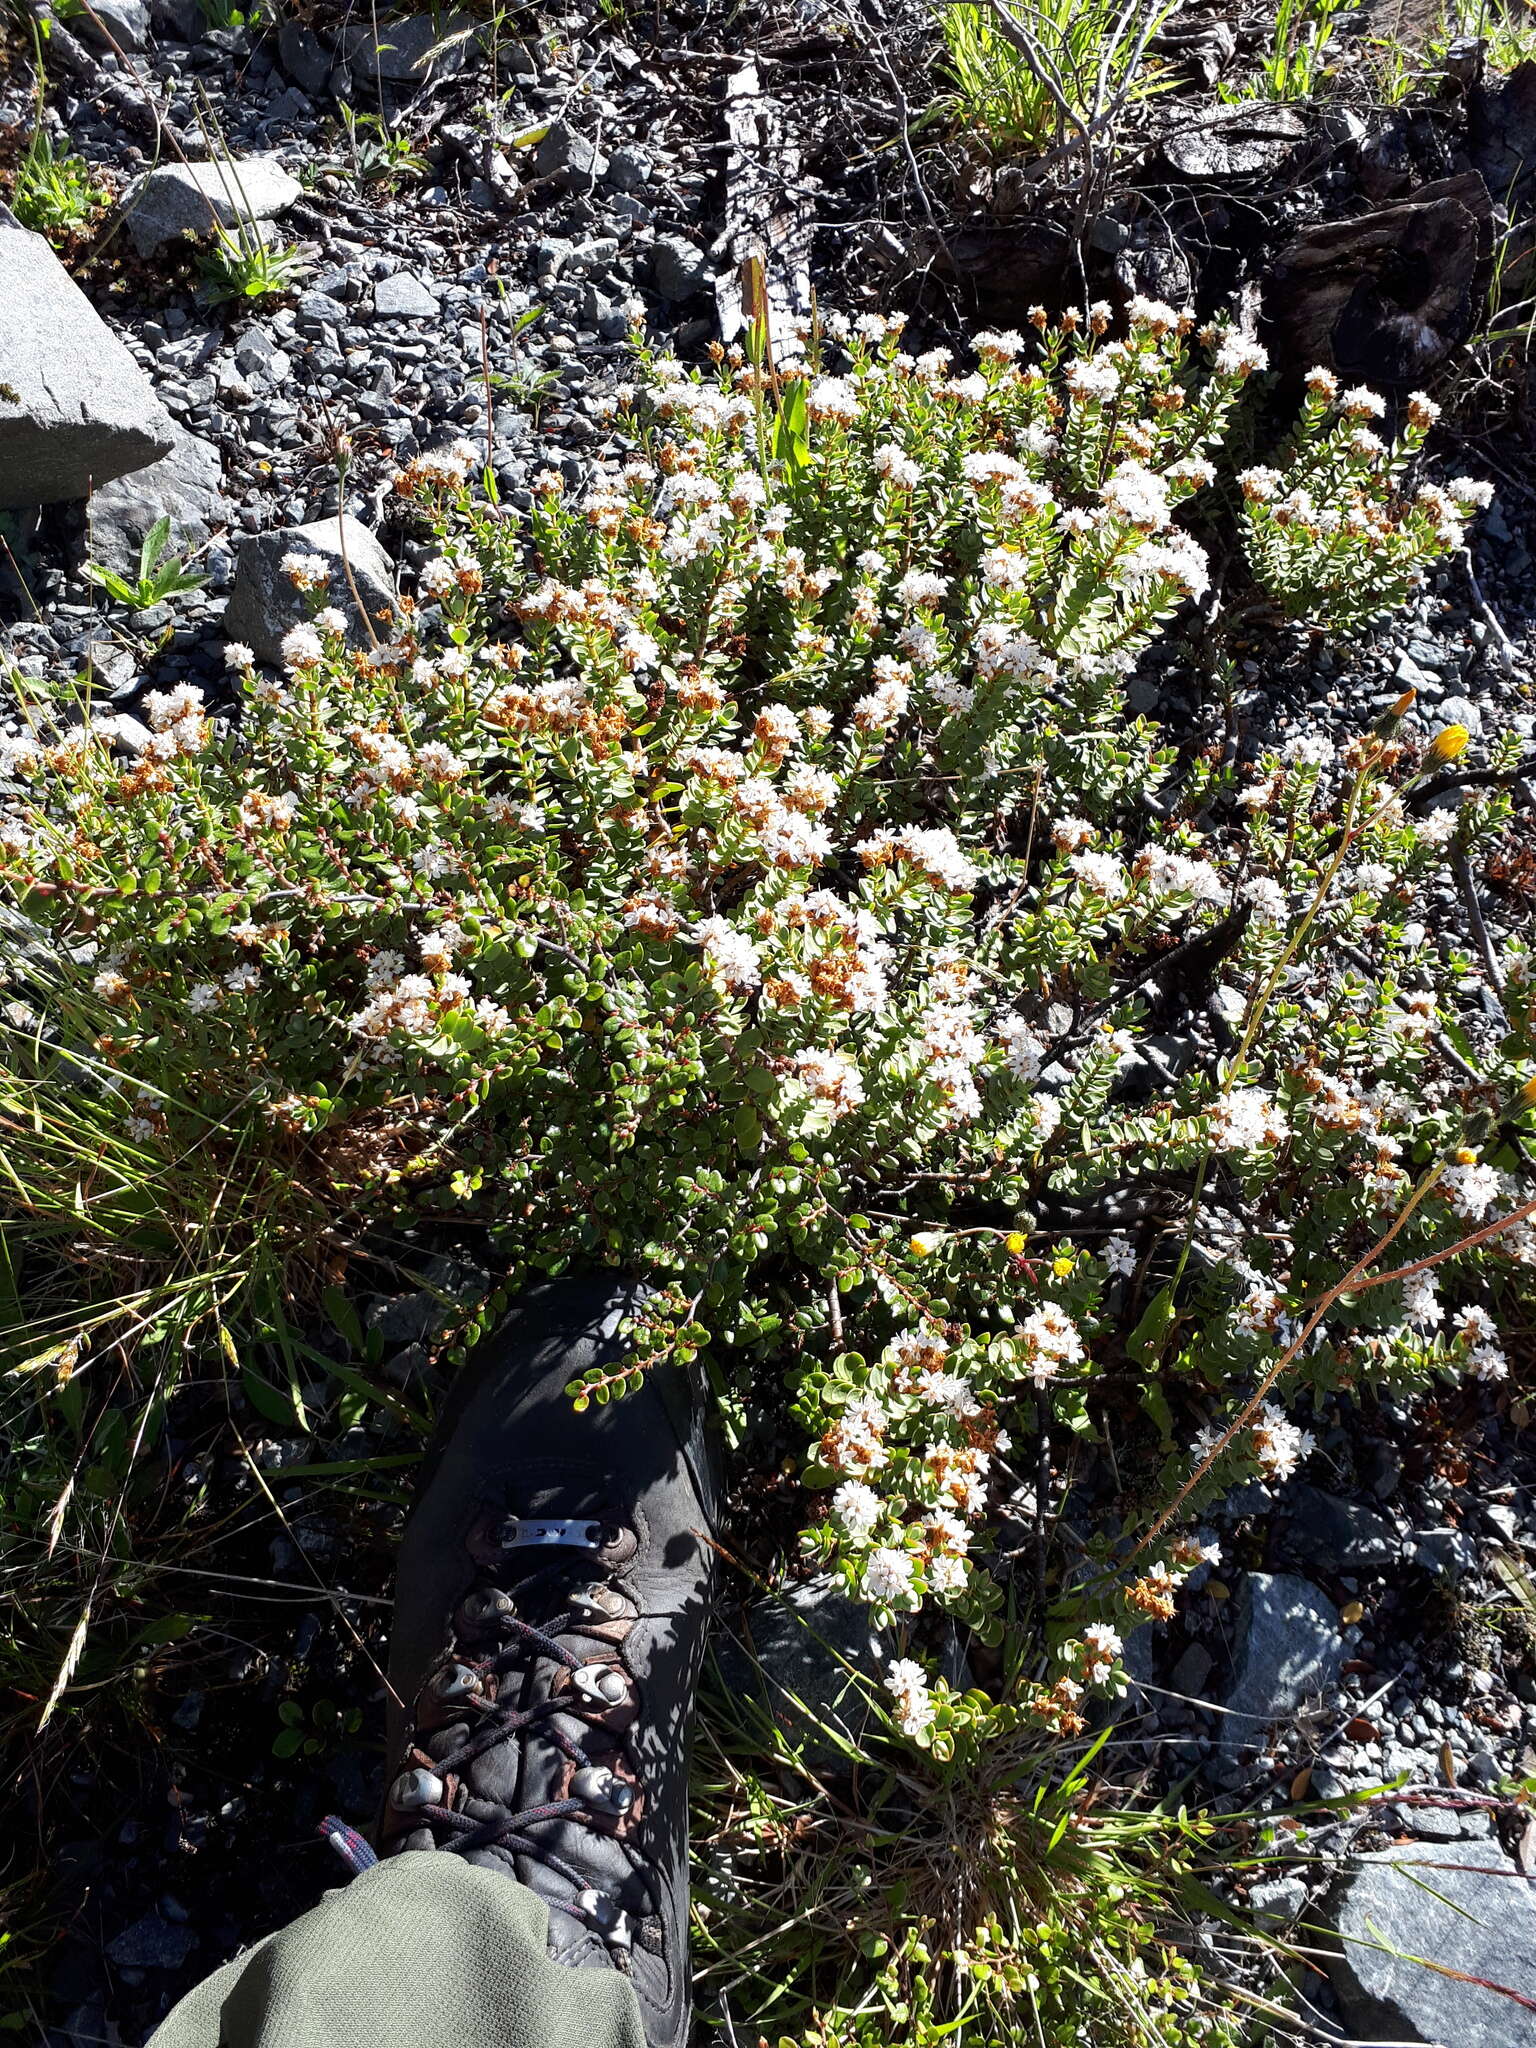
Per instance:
{"type": "Point", "coordinates": [69, 1666]}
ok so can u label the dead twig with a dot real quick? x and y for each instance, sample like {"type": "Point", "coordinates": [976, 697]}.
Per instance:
{"type": "Point", "coordinates": [1468, 891]}
{"type": "Point", "coordinates": [1355, 1281]}
{"type": "Point", "coordinates": [1508, 654]}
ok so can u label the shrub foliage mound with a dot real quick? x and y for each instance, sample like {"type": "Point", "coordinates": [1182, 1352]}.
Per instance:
{"type": "Point", "coordinates": [751, 875]}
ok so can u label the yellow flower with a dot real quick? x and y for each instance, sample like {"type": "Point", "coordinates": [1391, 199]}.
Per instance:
{"type": "Point", "coordinates": [1063, 1264]}
{"type": "Point", "coordinates": [1527, 1096]}
{"type": "Point", "coordinates": [1465, 1156]}
{"type": "Point", "coordinates": [1446, 745]}
{"type": "Point", "coordinates": [1015, 1241]}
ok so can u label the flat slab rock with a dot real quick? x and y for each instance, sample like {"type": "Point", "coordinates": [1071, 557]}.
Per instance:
{"type": "Point", "coordinates": [1329, 1534]}
{"type": "Point", "coordinates": [1244, 141]}
{"type": "Point", "coordinates": [403, 297]}
{"type": "Point", "coordinates": [1463, 1906]}
{"type": "Point", "coordinates": [75, 408]}
{"type": "Point", "coordinates": [412, 51]}
{"type": "Point", "coordinates": [194, 199]}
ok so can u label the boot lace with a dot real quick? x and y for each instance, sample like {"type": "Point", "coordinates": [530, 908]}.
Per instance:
{"type": "Point", "coordinates": [420, 1791]}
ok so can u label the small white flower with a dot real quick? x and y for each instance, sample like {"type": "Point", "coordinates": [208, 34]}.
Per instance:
{"type": "Point", "coordinates": [1246, 1120]}
{"type": "Point", "coordinates": [922, 587]}
{"type": "Point", "coordinates": [1099, 872]}
{"type": "Point", "coordinates": [302, 646]}
{"type": "Point", "coordinates": [1138, 495]}
{"type": "Point", "coordinates": [1093, 380]}
{"type": "Point", "coordinates": [730, 955]}
{"type": "Point", "coordinates": [897, 467]}
{"type": "Point", "coordinates": [907, 1683]}
{"type": "Point", "coordinates": [887, 1579]}
{"type": "Point", "coordinates": [858, 1508]}
{"type": "Point", "coordinates": [1119, 1255]}
{"type": "Point", "coordinates": [1266, 899]}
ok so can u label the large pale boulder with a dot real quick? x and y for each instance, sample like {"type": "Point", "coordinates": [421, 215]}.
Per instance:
{"type": "Point", "coordinates": [1430, 1940]}
{"type": "Point", "coordinates": [194, 199]}
{"type": "Point", "coordinates": [75, 408]}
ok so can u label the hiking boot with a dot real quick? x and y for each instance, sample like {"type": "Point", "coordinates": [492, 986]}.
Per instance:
{"type": "Point", "coordinates": [549, 1626]}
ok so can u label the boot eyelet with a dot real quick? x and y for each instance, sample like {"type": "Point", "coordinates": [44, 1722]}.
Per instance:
{"type": "Point", "coordinates": [598, 1602]}
{"type": "Point", "coordinates": [485, 1606]}
{"type": "Point", "coordinates": [457, 1682]}
{"type": "Point", "coordinates": [543, 1532]}
{"type": "Point", "coordinates": [416, 1788]}
{"type": "Point", "coordinates": [610, 1920]}
{"type": "Point", "coordinates": [600, 1685]}
{"type": "Point", "coordinates": [601, 1790]}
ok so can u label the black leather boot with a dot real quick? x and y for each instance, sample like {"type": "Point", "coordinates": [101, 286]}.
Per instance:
{"type": "Point", "coordinates": [549, 1626]}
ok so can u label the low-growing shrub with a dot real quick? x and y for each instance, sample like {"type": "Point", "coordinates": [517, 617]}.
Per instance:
{"type": "Point", "coordinates": [750, 875]}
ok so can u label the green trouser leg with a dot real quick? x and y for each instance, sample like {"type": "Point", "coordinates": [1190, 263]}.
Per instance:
{"type": "Point", "coordinates": [422, 1951]}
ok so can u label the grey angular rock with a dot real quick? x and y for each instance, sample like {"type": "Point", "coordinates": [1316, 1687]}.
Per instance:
{"type": "Point", "coordinates": [790, 1656]}
{"type": "Point", "coordinates": [319, 309]}
{"type": "Point", "coordinates": [291, 109]}
{"type": "Point", "coordinates": [186, 487]}
{"type": "Point", "coordinates": [678, 269]}
{"type": "Point", "coordinates": [403, 297]}
{"type": "Point", "coordinates": [1331, 1534]}
{"type": "Point", "coordinates": [1447, 1552]}
{"type": "Point", "coordinates": [1287, 1647]}
{"type": "Point", "coordinates": [1276, 1903]}
{"type": "Point", "coordinates": [629, 170]}
{"type": "Point", "coordinates": [125, 21]}
{"type": "Point", "coordinates": [152, 1943]}
{"type": "Point", "coordinates": [263, 604]}
{"type": "Point", "coordinates": [258, 357]}
{"type": "Point", "coordinates": [304, 57]}
{"type": "Point", "coordinates": [1192, 1670]}
{"type": "Point", "coordinates": [183, 20]}
{"type": "Point", "coordinates": [75, 408]}
{"type": "Point", "coordinates": [1441, 1823]}
{"type": "Point", "coordinates": [411, 1318]}
{"type": "Point", "coordinates": [1467, 1909]}
{"type": "Point", "coordinates": [1410, 673]}
{"type": "Point", "coordinates": [570, 158]}
{"type": "Point", "coordinates": [194, 199]}
{"type": "Point", "coordinates": [413, 51]}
